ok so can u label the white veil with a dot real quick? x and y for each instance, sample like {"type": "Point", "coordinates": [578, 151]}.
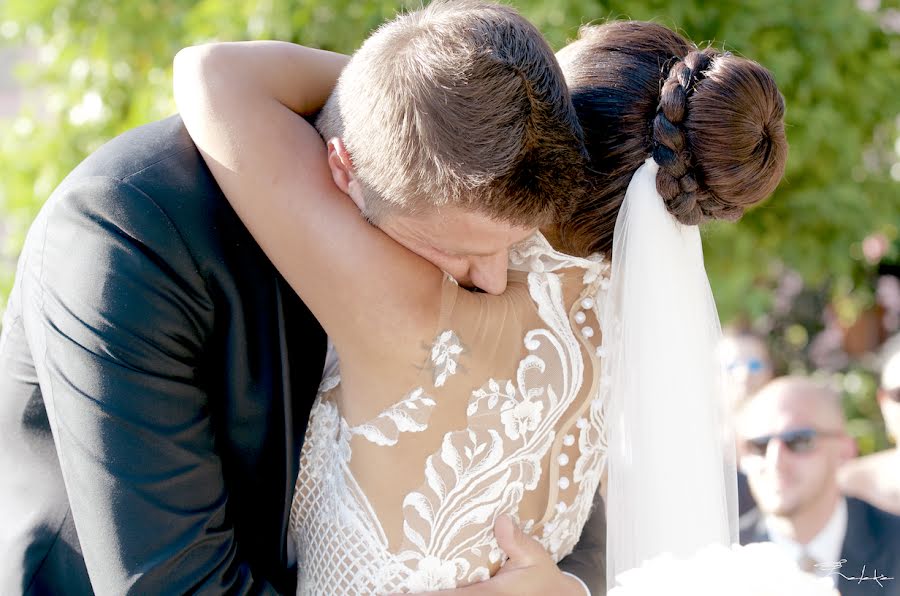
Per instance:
{"type": "Point", "coordinates": [672, 476]}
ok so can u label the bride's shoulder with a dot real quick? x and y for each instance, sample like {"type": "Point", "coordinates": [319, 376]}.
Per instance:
{"type": "Point", "coordinates": [534, 268]}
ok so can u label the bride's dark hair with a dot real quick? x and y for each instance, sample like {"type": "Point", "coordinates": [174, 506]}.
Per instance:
{"type": "Point", "coordinates": [714, 123]}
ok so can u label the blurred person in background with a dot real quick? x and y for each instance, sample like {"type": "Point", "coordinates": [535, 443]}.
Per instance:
{"type": "Point", "coordinates": [747, 362]}
{"type": "Point", "coordinates": [876, 477]}
{"type": "Point", "coordinates": [748, 367]}
{"type": "Point", "coordinates": [792, 440]}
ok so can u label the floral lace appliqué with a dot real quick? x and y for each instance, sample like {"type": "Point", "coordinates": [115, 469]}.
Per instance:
{"type": "Point", "coordinates": [444, 356]}
{"type": "Point", "coordinates": [409, 415]}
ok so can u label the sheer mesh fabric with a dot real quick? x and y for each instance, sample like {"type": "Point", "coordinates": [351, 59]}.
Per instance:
{"type": "Point", "coordinates": [501, 412]}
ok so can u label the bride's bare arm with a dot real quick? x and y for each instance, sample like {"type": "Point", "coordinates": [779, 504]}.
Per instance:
{"type": "Point", "coordinates": [297, 77]}
{"type": "Point", "coordinates": [243, 104]}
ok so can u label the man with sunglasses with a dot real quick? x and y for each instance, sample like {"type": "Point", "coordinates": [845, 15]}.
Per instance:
{"type": "Point", "coordinates": [792, 440]}
{"type": "Point", "coordinates": [876, 477]}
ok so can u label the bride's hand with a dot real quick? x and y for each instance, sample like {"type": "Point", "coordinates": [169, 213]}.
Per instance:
{"type": "Point", "coordinates": [528, 571]}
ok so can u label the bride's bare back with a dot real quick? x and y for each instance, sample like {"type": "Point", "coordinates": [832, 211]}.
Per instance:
{"type": "Point", "coordinates": [399, 490]}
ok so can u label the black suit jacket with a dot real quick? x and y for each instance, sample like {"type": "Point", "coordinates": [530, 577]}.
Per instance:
{"type": "Point", "coordinates": [155, 380]}
{"type": "Point", "coordinates": [156, 375]}
{"type": "Point", "coordinates": [872, 539]}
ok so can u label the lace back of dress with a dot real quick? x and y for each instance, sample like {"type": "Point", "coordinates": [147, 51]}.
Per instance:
{"type": "Point", "coordinates": [504, 416]}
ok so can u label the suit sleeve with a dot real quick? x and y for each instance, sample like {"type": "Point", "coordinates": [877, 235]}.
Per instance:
{"type": "Point", "coordinates": [117, 315]}
{"type": "Point", "coordinates": [588, 561]}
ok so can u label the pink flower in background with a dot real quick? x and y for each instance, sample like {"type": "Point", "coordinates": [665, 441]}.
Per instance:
{"type": "Point", "coordinates": [874, 247]}
{"type": "Point", "coordinates": [789, 287]}
{"type": "Point", "coordinates": [869, 5]}
{"type": "Point", "coordinates": [887, 293]}
{"type": "Point", "coordinates": [826, 350]}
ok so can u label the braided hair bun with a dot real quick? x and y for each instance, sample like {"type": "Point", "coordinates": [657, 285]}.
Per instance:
{"type": "Point", "coordinates": [719, 143]}
{"type": "Point", "coordinates": [713, 122]}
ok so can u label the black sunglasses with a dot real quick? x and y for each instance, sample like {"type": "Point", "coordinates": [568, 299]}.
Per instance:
{"type": "Point", "coordinates": [801, 440]}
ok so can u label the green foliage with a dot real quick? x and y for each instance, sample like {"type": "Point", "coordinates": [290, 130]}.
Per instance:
{"type": "Point", "coordinates": [104, 67]}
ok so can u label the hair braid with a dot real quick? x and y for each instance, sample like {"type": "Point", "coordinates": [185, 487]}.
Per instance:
{"type": "Point", "coordinates": [677, 180]}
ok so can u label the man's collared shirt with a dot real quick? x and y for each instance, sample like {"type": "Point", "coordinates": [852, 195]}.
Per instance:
{"type": "Point", "coordinates": [825, 547]}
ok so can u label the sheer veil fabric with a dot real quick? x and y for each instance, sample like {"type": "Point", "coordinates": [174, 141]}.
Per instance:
{"type": "Point", "coordinates": [672, 474]}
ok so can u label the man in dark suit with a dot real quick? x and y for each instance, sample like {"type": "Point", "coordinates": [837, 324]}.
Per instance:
{"type": "Point", "coordinates": [792, 442]}
{"type": "Point", "coordinates": [156, 375]}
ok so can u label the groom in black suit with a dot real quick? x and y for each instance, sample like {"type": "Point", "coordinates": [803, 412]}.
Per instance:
{"type": "Point", "coordinates": [156, 375]}
{"type": "Point", "coordinates": [793, 440]}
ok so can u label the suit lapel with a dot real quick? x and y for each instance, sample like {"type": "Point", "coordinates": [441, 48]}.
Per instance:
{"type": "Point", "coordinates": [861, 541]}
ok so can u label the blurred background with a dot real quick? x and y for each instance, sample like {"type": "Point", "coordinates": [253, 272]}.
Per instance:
{"type": "Point", "coordinates": [813, 271]}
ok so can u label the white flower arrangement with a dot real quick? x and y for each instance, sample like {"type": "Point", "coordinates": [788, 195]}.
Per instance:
{"type": "Point", "coordinates": [759, 569]}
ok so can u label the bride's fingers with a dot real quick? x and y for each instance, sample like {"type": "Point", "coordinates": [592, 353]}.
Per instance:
{"type": "Point", "coordinates": [492, 587]}
{"type": "Point", "coordinates": [522, 550]}
{"type": "Point", "coordinates": [529, 566]}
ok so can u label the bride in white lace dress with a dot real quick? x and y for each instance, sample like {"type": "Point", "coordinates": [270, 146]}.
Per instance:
{"type": "Point", "coordinates": [502, 414]}
{"type": "Point", "coordinates": [452, 407]}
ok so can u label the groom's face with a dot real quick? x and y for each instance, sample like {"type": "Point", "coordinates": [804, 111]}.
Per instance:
{"type": "Point", "coordinates": [470, 247]}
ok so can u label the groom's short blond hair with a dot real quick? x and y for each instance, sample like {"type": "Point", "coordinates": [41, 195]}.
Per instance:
{"type": "Point", "coordinates": [459, 103]}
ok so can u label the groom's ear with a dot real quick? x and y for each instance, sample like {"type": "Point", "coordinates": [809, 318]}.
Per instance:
{"type": "Point", "coordinates": [342, 171]}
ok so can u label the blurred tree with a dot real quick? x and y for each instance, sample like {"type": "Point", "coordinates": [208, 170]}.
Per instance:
{"type": "Point", "coordinates": [104, 67]}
